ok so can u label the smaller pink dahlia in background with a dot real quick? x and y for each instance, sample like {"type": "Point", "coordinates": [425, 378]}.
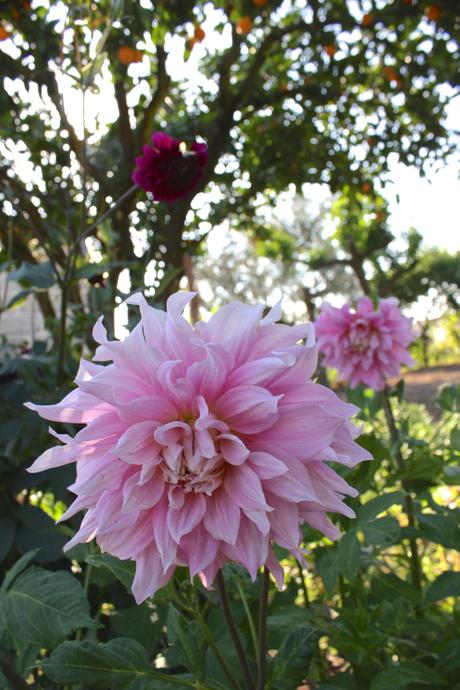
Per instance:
{"type": "Point", "coordinates": [203, 444]}
{"type": "Point", "coordinates": [167, 169]}
{"type": "Point", "coordinates": [365, 345]}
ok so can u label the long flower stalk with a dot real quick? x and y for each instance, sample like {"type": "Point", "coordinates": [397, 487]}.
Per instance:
{"type": "Point", "coordinates": [263, 607]}
{"type": "Point", "coordinates": [415, 565]}
{"type": "Point", "coordinates": [249, 682]}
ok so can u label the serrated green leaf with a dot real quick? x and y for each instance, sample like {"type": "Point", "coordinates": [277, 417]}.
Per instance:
{"type": "Point", "coordinates": [455, 439]}
{"type": "Point", "coordinates": [328, 568]}
{"type": "Point", "coordinates": [122, 570]}
{"type": "Point", "coordinates": [17, 568]}
{"type": "Point", "coordinates": [120, 664]}
{"type": "Point", "coordinates": [378, 505]}
{"type": "Point", "coordinates": [382, 531]}
{"type": "Point", "coordinates": [293, 660]}
{"type": "Point", "coordinates": [409, 672]}
{"type": "Point", "coordinates": [389, 587]}
{"type": "Point", "coordinates": [446, 585]}
{"type": "Point", "coordinates": [42, 607]}
{"type": "Point", "coordinates": [187, 638]}
{"type": "Point", "coordinates": [348, 552]}
{"type": "Point", "coordinates": [441, 529]}
{"type": "Point", "coordinates": [34, 275]}
{"type": "Point", "coordinates": [136, 622]}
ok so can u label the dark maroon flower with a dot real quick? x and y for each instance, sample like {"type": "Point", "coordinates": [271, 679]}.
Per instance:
{"type": "Point", "coordinates": [167, 170]}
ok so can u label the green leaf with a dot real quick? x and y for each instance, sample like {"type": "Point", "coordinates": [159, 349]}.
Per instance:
{"type": "Point", "coordinates": [389, 587]}
{"type": "Point", "coordinates": [136, 622]}
{"type": "Point", "coordinates": [446, 585]}
{"type": "Point", "coordinates": [17, 568]}
{"type": "Point", "coordinates": [186, 637]}
{"type": "Point", "coordinates": [441, 529]}
{"type": "Point", "coordinates": [34, 275]}
{"type": "Point", "coordinates": [120, 664]}
{"type": "Point", "coordinates": [378, 505]}
{"type": "Point", "coordinates": [328, 568]}
{"type": "Point", "coordinates": [293, 660]}
{"type": "Point", "coordinates": [348, 552]}
{"type": "Point", "coordinates": [455, 440]}
{"type": "Point", "coordinates": [42, 607]}
{"type": "Point", "coordinates": [340, 681]}
{"type": "Point", "coordinates": [448, 398]}
{"type": "Point", "coordinates": [122, 570]}
{"type": "Point", "coordinates": [408, 672]}
{"type": "Point", "coordinates": [382, 531]}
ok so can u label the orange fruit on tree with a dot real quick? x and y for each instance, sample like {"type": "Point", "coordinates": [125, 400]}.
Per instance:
{"type": "Point", "coordinates": [127, 55]}
{"type": "Point", "coordinates": [433, 12]}
{"type": "Point", "coordinates": [367, 20]}
{"type": "Point", "coordinates": [366, 187]}
{"type": "Point", "coordinates": [244, 25]}
{"type": "Point", "coordinates": [391, 74]}
{"type": "Point", "coordinates": [259, 3]}
{"type": "Point", "coordinates": [330, 49]}
{"type": "Point", "coordinates": [199, 34]}
{"type": "Point", "coordinates": [4, 34]}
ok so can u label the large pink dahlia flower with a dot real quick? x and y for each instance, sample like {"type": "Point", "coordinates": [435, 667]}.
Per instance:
{"type": "Point", "coordinates": [366, 345]}
{"type": "Point", "coordinates": [203, 444]}
{"type": "Point", "coordinates": [168, 171]}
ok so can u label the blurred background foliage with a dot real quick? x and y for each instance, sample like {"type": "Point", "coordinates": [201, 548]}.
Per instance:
{"type": "Point", "coordinates": [286, 95]}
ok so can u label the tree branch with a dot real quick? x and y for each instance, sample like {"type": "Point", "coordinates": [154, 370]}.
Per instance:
{"type": "Point", "coordinates": [163, 83]}
{"type": "Point", "coordinates": [124, 127]}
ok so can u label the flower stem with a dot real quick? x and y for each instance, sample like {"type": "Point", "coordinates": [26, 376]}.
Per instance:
{"type": "Point", "coordinates": [416, 569]}
{"type": "Point", "coordinates": [217, 653]}
{"type": "Point", "coordinates": [250, 620]}
{"type": "Point", "coordinates": [263, 628]}
{"type": "Point", "coordinates": [234, 631]}
{"type": "Point", "coordinates": [303, 584]}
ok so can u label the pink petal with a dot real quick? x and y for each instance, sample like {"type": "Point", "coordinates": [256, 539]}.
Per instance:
{"type": "Point", "coordinates": [182, 521]}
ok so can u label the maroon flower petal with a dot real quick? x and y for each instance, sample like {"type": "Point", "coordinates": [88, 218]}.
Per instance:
{"type": "Point", "coordinates": [168, 172]}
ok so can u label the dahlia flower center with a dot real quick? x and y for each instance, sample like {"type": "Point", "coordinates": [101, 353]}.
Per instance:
{"type": "Point", "coordinates": [360, 336]}
{"type": "Point", "coordinates": [180, 168]}
{"type": "Point", "coordinates": [193, 461]}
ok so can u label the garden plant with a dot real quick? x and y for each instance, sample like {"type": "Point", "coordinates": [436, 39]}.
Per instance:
{"type": "Point", "coordinates": [218, 494]}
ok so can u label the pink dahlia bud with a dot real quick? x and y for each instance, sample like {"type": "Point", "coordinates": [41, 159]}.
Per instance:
{"type": "Point", "coordinates": [366, 345]}
{"type": "Point", "coordinates": [203, 444]}
{"type": "Point", "coordinates": [167, 169]}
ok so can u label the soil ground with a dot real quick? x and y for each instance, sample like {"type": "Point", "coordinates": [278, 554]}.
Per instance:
{"type": "Point", "coordinates": [422, 385]}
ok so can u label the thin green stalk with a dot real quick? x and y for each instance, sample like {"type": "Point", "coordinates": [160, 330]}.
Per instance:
{"type": "Point", "coordinates": [249, 682]}
{"type": "Point", "coordinates": [414, 559]}
{"type": "Point", "coordinates": [303, 584]}
{"type": "Point", "coordinates": [217, 653]}
{"type": "Point", "coordinates": [252, 627]}
{"type": "Point", "coordinates": [263, 608]}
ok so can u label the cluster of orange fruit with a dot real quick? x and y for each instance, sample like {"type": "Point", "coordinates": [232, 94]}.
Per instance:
{"type": "Point", "coordinates": [127, 54]}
